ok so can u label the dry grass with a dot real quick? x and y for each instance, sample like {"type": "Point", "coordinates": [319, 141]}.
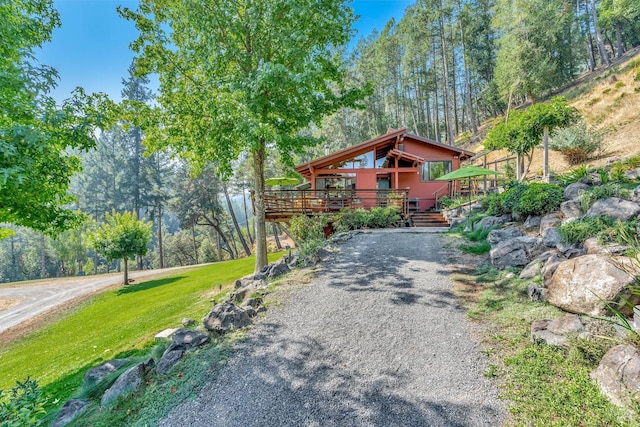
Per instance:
{"type": "Point", "coordinates": [611, 106]}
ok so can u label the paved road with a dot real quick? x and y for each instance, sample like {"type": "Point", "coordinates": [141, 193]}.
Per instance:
{"type": "Point", "coordinates": [36, 299]}
{"type": "Point", "coordinates": [376, 339]}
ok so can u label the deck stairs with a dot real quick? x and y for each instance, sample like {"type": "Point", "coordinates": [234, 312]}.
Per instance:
{"type": "Point", "coordinates": [428, 219]}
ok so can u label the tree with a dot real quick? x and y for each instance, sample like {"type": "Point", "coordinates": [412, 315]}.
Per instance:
{"type": "Point", "coordinates": [121, 236]}
{"type": "Point", "coordinates": [35, 135]}
{"type": "Point", "coordinates": [241, 76]}
{"type": "Point", "coordinates": [525, 130]}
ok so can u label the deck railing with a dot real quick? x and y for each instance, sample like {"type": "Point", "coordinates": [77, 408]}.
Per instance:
{"type": "Point", "coordinates": [287, 203]}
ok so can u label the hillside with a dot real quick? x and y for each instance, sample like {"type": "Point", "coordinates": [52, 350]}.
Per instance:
{"type": "Point", "coordinates": [611, 105]}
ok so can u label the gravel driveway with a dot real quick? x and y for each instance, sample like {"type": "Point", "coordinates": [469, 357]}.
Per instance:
{"type": "Point", "coordinates": [376, 339]}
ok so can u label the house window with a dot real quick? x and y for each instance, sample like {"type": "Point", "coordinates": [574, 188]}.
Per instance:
{"type": "Point", "coordinates": [336, 182]}
{"type": "Point", "coordinates": [433, 170]}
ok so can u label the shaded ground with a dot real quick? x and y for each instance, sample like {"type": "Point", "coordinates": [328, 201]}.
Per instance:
{"type": "Point", "coordinates": [377, 338]}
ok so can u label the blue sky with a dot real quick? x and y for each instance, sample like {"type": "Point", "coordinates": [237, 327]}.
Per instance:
{"type": "Point", "coordinates": [91, 50]}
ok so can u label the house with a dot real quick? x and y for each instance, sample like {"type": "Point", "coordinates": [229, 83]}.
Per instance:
{"type": "Point", "coordinates": [395, 168]}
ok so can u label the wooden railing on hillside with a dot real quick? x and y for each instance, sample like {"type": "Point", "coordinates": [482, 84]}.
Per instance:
{"type": "Point", "coordinates": [283, 204]}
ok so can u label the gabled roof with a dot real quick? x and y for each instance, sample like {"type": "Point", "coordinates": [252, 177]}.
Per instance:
{"type": "Point", "coordinates": [391, 136]}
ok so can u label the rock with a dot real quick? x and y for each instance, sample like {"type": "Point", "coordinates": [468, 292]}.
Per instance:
{"type": "Point", "coordinates": [515, 252]}
{"type": "Point", "coordinates": [571, 250]}
{"type": "Point", "coordinates": [127, 383]}
{"type": "Point", "coordinates": [535, 292]}
{"type": "Point", "coordinates": [252, 302]}
{"type": "Point", "coordinates": [554, 332]}
{"type": "Point", "coordinates": [246, 282]}
{"type": "Point", "coordinates": [618, 374]}
{"type": "Point", "coordinates": [572, 192]}
{"type": "Point", "coordinates": [532, 223]}
{"type": "Point", "coordinates": [544, 256]}
{"type": "Point", "coordinates": [261, 309]}
{"type": "Point", "coordinates": [251, 312]}
{"type": "Point", "coordinates": [550, 266]}
{"type": "Point", "coordinates": [169, 359]}
{"type": "Point", "coordinates": [571, 209]}
{"type": "Point", "coordinates": [593, 246]}
{"type": "Point", "coordinates": [495, 237]}
{"type": "Point", "coordinates": [247, 287]}
{"type": "Point", "coordinates": [455, 222]}
{"type": "Point", "coordinates": [551, 237]}
{"type": "Point", "coordinates": [632, 174]}
{"type": "Point", "coordinates": [586, 284]}
{"type": "Point", "coordinates": [186, 322]}
{"type": "Point", "coordinates": [490, 222]}
{"type": "Point", "coordinates": [225, 317]}
{"type": "Point", "coordinates": [531, 270]}
{"type": "Point", "coordinates": [635, 194]}
{"type": "Point", "coordinates": [70, 411]}
{"type": "Point", "coordinates": [614, 208]}
{"type": "Point", "coordinates": [612, 79]}
{"type": "Point", "coordinates": [183, 340]}
{"type": "Point", "coordinates": [100, 372]}
{"type": "Point", "coordinates": [278, 270]}
{"type": "Point", "coordinates": [551, 220]}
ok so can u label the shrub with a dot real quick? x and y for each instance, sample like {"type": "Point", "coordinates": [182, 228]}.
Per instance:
{"type": "Point", "coordinates": [589, 197]}
{"type": "Point", "coordinates": [540, 199]}
{"type": "Point", "coordinates": [580, 230]}
{"type": "Point", "coordinates": [511, 196]}
{"type": "Point", "coordinates": [383, 217]}
{"type": "Point", "coordinates": [350, 219]}
{"type": "Point", "coordinates": [304, 228]}
{"type": "Point", "coordinates": [23, 405]}
{"type": "Point", "coordinates": [577, 143]}
{"type": "Point", "coordinates": [492, 204]}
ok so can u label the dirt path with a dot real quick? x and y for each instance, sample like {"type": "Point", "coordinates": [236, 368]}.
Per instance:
{"type": "Point", "coordinates": [376, 339]}
{"type": "Point", "coordinates": [24, 306]}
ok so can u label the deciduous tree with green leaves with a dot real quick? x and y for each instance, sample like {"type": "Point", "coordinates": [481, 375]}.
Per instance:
{"type": "Point", "coordinates": [241, 76]}
{"type": "Point", "coordinates": [121, 236]}
{"type": "Point", "coordinates": [36, 135]}
{"type": "Point", "coordinates": [527, 129]}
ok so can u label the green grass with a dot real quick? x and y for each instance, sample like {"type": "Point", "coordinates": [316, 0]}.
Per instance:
{"type": "Point", "coordinates": [546, 386]}
{"type": "Point", "coordinates": [117, 323]}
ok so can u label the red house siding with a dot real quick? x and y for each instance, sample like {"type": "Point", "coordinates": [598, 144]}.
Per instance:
{"type": "Point", "coordinates": [404, 174]}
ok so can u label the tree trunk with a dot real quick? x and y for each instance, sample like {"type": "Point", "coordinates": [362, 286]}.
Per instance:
{"type": "Point", "coordinates": [235, 221]}
{"type": "Point", "coordinates": [589, 42]}
{"type": "Point", "coordinates": [545, 144]}
{"type": "Point", "coordinates": [445, 84]}
{"type": "Point", "coordinates": [195, 246]}
{"type": "Point", "coordinates": [43, 256]}
{"type": "Point", "coordinates": [599, 39]}
{"type": "Point", "coordinates": [126, 271]}
{"type": "Point", "coordinates": [218, 246]}
{"type": "Point", "coordinates": [160, 247]}
{"type": "Point", "coordinates": [260, 230]}
{"type": "Point", "coordinates": [467, 83]}
{"type": "Point", "coordinates": [619, 44]}
{"type": "Point", "coordinates": [246, 215]}
{"type": "Point", "coordinates": [274, 230]}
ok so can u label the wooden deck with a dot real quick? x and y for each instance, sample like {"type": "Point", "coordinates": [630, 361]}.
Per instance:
{"type": "Point", "coordinates": [281, 205]}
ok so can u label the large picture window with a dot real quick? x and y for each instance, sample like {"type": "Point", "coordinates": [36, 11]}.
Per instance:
{"type": "Point", "coordinates": [336, 182]}
{"type": "Point", "coordinates": [435, 169]}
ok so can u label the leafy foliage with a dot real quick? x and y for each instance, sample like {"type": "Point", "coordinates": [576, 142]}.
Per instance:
{"type": "Point", "coordinates": [577, 142]}
{"type": "Point", "coordinates": [23, 405]}
{"type": "Point", "coordinates": [36, 136]}
{"type": "Point", "coordinates": [589, 197]}
{"type": "Point", "coordinates": [581, 229]}
{"type": "Point", "coordinates": [540, 199]}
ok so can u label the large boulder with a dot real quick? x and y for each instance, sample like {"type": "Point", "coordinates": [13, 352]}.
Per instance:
{"type": "Point", "coordinates": [586, 284]}
{"type": "Point", "coordinates": [495, 237]}
{"type": "Point", "coordinates": [70, 411]}
{"type": "Point", "coordinates": [551, 237]}
{"type": "Point", "coordinates": [550, 265]}
{"type": "Point", "coordinates": [100, 372]}
{"type": "Point", "coordinates": [614, 208]}
{"type": "Point", "coordinates": [183, 340]}
{"type": "Point", "coordinates": [278, 270]}
{"type": "Point", "coordinates": [226, 317]}
{"type": "Point", "coordinates": [127, 383]}
{"type": "Point", "coordinates": [246, 287]}
{"type": "Point", "coordinates": [555, 332]}
{"type": "Point", "coordinates": [571, 209]}
{"type": "Point", "coordinates": [572, 191]}
{"type": "Point", "coordinates": [551, 220]}
{"type": "Point", "coordinates": [593, 246]}
{"type": "Point", "coordinates": [632, 174]}
{"type": "Point", "coordinates": [490, 222]}
{"type": "Point", "coordinates": [618, 374]}
{"type": "Point", "coordinates": [515, 252]}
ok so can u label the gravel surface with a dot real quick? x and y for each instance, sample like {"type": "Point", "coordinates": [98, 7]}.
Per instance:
{"type": "Point", "coordinates": [376, 339]}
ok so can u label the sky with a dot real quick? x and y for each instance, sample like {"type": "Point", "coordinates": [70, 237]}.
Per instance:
{"type": "Point", "coordinates": [91, 48]}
